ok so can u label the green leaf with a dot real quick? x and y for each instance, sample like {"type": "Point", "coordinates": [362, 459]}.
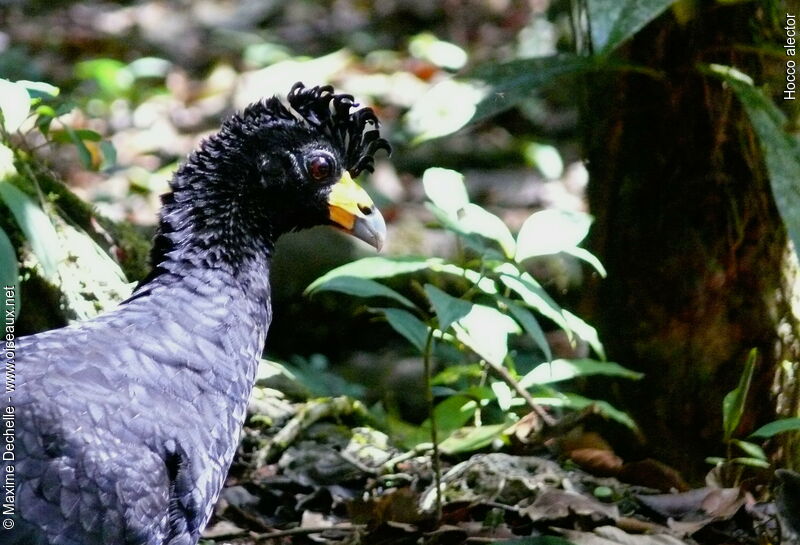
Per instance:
{"type": "Point", "coordinates": [780, 148]}
{"type": "Point", "coordinates": [109, 154]}
{"type": "Point", "coordinates": [751, 449]}
{"type": "Point", "coordinates": [362, 287]}
{"type": "Point", "coordinates": [69, 134]}
{"type": "Point", "coordinates": [477, 220]}
{"type": "Point", "coordinates": [585, 332]}
{"type": "Point", "coordinates": [448, 309]}
{"type": "Point", "coordinates": [778, 426]}
{"type": "Point", "coordinates": [452, 413]}
{"type": "Point", "coordinates": [752, 462]}
{"type": "Point", "coordinates": [445, 188]}
{"type": "Point", "coordinates": [486, 285]}
{"type": "Point", "coordinates": [15, 104]}
{"type": "Point", "coordinates": [503, 86]}
{"type": "Point", "coordinates": [550, 232]}
{"type": "Point", "coordinates": [407, 325]}
{"type": "Point", "coordinates": [454, 373]}
{"type": "Point", "coordinates": [443, 109]}
{"type": "Point", "coordinates": [475, 241]}
{"type": "Point", "coordinates": [504, 394]}
{"type": "Point", "coordinates": [36, 226]}
{"type": "Point", "coordinates": [613, 22]}
{"type": "Point", "coordinates": [374, 267]}
{"type": "Point", "coordinates": [530, 325]}
{"type": "Point", "coordinates": [39, 89]}
{"type": "Point", "coordinates": [734, 402]}
{"type": "Point", "coordinates": [588, 257]}
{"type": "Point", "coordinates": [112, 76]}
{"type": "Point", "coordinates": [84, 154]}
{"type": "Point", "coordinates": [485, 330]}
{"type": "Point", "coordinates": [603, 407]}
{"type": "Point", "coordinates": [560, 370]}
{"type": "Point", "coordinates": [9, 270]}
{"type": "Point", "coordinates": [532, 293]}
{"type": "Point", "coordinates": [469, 439]}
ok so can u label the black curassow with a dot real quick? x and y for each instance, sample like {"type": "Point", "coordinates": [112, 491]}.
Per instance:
{"type": "Point", "coordinates": [126, 425]}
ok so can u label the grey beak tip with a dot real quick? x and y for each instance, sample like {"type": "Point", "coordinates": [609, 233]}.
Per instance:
{"type": "Point", "coordinates": [371, 229]}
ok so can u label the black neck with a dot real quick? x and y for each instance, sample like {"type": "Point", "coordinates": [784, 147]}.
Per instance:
{"type": "Point", "coordinates": [210, 218]}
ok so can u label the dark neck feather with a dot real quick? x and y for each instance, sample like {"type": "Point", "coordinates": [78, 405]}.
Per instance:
{"type": "Point", "coordinates": [209, 219]}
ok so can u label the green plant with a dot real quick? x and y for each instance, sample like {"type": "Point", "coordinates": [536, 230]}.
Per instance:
{"type": "Point", "coordinates": [740, 453]}
{"type": "Point", "coordinates": [44, 221]}
{"type": "Point", "coordinates": [471, 312]}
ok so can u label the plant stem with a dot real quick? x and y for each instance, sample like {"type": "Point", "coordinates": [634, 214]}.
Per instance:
{"type": "Point", "coordinates": [437, 470]}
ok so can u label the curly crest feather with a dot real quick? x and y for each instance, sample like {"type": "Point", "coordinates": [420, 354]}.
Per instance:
{"type": "Point", "coordinates": [331, 113]}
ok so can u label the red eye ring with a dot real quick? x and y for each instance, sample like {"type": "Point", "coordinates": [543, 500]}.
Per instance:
{"type": "Point", "coordinates": [320, 167]}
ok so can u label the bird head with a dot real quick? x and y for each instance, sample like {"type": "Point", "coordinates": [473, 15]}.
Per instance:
{"type": "Point", "coordinates": [273, 168]}
{"type": "Point", "coordinates": [304, 159]}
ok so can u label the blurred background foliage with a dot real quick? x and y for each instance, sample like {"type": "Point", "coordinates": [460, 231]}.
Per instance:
{"type": "Point", "coordinates": [511, 122]}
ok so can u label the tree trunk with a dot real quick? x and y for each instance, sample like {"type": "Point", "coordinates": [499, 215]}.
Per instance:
{"type": "Point", "coordinates": [687, 228]}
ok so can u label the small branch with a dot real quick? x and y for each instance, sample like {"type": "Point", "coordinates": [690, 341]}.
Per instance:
{"type": "Point", "coordinates": [437, 470]}
{"type": "Point", "coordinates": [503, 373]}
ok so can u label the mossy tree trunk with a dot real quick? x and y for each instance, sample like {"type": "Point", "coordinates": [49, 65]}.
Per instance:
{"type": "Point", "coordinates": [688, 230]}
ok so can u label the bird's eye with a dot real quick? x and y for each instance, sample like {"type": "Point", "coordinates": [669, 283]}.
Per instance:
{"type": "Point", "coordinates": [320, 167]}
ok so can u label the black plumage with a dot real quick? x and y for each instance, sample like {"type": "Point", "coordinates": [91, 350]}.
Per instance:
{"type": "Point", "coordinates": [125, 425]}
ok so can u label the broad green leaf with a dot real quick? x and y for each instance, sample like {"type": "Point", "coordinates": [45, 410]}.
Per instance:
{"type": "Point", "coordinates": [588, 257]}
{"type": "Point", "coordinates": [362, 287]}
{"type": "Point", "coordinates": [480, 221]}
{"type": "Point", "coordinates": [15, 104]}
{"type": "Point", "coordinates": [39, 88]}
{"type": "Point", "coordinates": [560, 370]}
{"type": "Point", "coordinates": [486, 285]}
{"type": "Point", "coordinates": [469, 439]}
{"type": "Point", "coordinates": [36, 226]}
{"type": "Point", "coordinates": [485, 330]}
{"type": "Point", "coordinates": [407, 325]}
{"type": "Point", "coordinates": [7, 168]}
{"type": "Point", "coordinates": [550, 232]}
{"type": "Point", "coordinates": [452, 413]}
{"type": "Point", "coordinates": [734, 402]}
{"type": "Point", "coordinates": [503, 86]}
{"type": "Point", "coordinates": [585, 332]}
{"type": "Point", "coordinates": [454, 373]}
{"type": "Point", "coordinates": [430, 48]}
{"type": "Point", "coordinates": [603, 407]}
{"type": "Point", "coordinates": [109, 155]}
{"type": "Point", "coordinates": [443, 109]}
{"type": "Point", "coordinates": [751, 449]}
{"type": "Point", "coordinates": [111, 75]}
{"type": "Point", "coordinates": [9, 270]}
{"type": "Point", "coordinates": [84, 154]}
{"type": "Point", "coordinates": [546, 158]}
{"type": "Point", "coordinates": [503, 394]}
{"type": "Point", "coordinates": [90, 280]}
{"type": "Point", "coordinates": [477, 242]}
{"type": "Point", "coordinates": [445, 188]}
{"type": "Point", "coordinates": [613, 22]}
{"type": "Point", "coordinates": [780, 148]}
{"type": "Point", "coordinates": [69, 134]}
{"type": "Point", "coordinates": [533, 294]}
{"type": "Point", "coordinates": [752, 462]}
{"type": "Point", "coordinates": [530, 325]}
{"type": "Point", "coordinates": [374, 267]}
{"type": "Point", "coordinates": [778, 426]}
{"type": "Point", "coordinates": [448, 309]}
